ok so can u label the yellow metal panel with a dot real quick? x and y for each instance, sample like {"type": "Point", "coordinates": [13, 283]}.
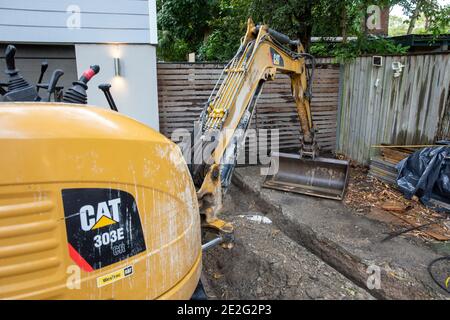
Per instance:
{"type": "Point", "coordinates": [47, 148]}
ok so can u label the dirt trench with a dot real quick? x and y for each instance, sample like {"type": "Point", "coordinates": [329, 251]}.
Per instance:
{"type": "Point", "coordinates": [267, 264]}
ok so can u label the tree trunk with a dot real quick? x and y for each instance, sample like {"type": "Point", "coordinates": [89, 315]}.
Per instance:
{"type": "Point", "coordinates": [344, 21]}
{"type": "Point", "coordinates": [363, 7]}
{"type": "Point", "coordinates": [306, 30]}
{"type": "Point", "coordinates": [415, 16]}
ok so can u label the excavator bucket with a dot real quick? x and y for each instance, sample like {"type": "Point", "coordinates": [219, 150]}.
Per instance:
{"type": "Point", "coordinates": [322, 177]}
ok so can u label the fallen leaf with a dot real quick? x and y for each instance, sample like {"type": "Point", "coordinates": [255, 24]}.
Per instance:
{"type": "Point", "coordinates": [217, 276]}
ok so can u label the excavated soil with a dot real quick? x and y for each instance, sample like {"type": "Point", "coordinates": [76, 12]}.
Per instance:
{"type": "Point", "coordinates": [266, 264]}
{"type": "Point", "coordinates": [314, 249]}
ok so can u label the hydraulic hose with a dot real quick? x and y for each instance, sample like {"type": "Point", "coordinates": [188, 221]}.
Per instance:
{"type": "Point", "coordinates": [430, 271]}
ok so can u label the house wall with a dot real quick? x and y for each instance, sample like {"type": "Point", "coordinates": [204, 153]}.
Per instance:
{"type": "Point", "coordinates": [79, 21]}
{"type": "Point", "coordinates": [135, 91]}
{"type": "Point", "coordinates": [72, 35]}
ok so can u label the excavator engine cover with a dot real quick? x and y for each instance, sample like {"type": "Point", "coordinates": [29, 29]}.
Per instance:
{"type": "Point", "coordinates": [322, 177]}
{"type": "Point", "coordinates": [93, 205]}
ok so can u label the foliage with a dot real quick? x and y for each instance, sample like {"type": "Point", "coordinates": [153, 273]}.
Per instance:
{"type": "Point", "coordinates": [171, 48]}
{"type": "Point", "coordinates": [228, 28]}
{"type": "Point", "coordinates": [398, 26]}
{"type": "Point", "coordinates": [293, 18]}
{"type": "Point", "coordinates": [213, 28]}
{"type": "Point", "coordinates": [303, 18]}
{"type": "Point", "coordinates": [367, 45]}
{"type": "Point", "coordinates": [436, 16]}
{"type": "Point", "coordinates": [183, 25]}
{"type": "Point", "coordinates": [364, 45]}
{"type": "Point", "coordinates": [322, 49]}
{"type": "Point", "coordinates": [335, 15]}
{"type": "Point", "coordinates": [438, 20]}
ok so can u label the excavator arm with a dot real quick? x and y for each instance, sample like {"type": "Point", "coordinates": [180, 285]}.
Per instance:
{"type": "Point", "coordinates": [229, 110]}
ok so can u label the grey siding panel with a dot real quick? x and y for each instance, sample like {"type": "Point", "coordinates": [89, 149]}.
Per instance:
{"type": "Point", "coordinates": [97, 6]}
{"type": "Point", "coordinates": [102, 21]}
{"type": "Point", "coordinates": [52, 20]}
{"type": "Point", "coordinates": [56, 35]}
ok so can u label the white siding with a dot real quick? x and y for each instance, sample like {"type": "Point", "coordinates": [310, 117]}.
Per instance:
{"type": "Point", "coordinates": [101, 21]}
{"type": "Point", "coordinates": [135, 91]}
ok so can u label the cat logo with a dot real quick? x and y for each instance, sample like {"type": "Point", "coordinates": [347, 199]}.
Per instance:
{"type": "Point", "coordinates": [102, 215]}
{"type": "Point", "coordinates": [276, 59]}
{"type": "Point", "coordinates": [103, 227]}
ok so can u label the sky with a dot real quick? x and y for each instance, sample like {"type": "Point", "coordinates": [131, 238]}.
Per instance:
{"type": "Point", "coordinates": [397, 10]}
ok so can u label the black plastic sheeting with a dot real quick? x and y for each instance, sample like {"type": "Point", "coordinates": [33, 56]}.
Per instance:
{"type": "Point", "coordinates": [426, 174]}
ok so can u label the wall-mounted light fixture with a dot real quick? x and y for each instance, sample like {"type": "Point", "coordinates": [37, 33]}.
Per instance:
{"type": "Point", "coordinates": [377, 61]}
{"type": "Point", "coordinates": [117, 71]}
{"type": "Point", "coordinates": [397, 66]}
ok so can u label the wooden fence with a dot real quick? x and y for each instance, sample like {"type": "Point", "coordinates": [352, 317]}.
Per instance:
{"type": "Point", "coordinates": [377, 107]}
{"type": "Point", "coordinates": [184, 88]}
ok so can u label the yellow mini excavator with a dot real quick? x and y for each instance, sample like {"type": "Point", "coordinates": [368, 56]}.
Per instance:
{"type": "Point", "coordinates": [95, 205]}
{"type": "Point", "coordinates": [230, 108]}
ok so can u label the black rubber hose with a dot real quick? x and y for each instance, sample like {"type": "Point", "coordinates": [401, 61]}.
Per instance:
{"type": "Point", "coordinates": [430, 271]}
{"type": "Point", "coordinates": [399, 233]}
{"type": "Point", "coordinates": [313, 70]}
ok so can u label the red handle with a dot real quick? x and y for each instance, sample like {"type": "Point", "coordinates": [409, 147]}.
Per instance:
{"type": "Point", "coordinates": [89, 73]}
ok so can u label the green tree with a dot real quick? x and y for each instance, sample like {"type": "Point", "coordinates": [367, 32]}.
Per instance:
{"type": "Point", "coordinates": [302, 18]}
{"type": "Point", "coordinates": [183, 26]}
{"type": "Point", "coordinates": [227, 30]}
{"type": "Point", "coordinates": [291, 17]}
{"type": "Point", "coordinates": [213, 28]}
{"type": "Point", "coordinates": [437, 17]}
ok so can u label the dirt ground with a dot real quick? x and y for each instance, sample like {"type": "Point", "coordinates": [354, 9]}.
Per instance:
{"type": "Point", "coordinates": [375, 199]}
{"type": "Point", "coordinates": [266, 264]}
{"type": "Point", "coordinates": [297, 247]}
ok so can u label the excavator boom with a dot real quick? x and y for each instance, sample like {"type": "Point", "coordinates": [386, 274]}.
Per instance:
{"type": "Point", "coordinates": [229, 110]}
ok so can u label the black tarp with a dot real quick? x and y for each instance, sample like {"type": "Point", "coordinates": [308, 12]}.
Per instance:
{"type": "Point", "coordinates": [426, 174]}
